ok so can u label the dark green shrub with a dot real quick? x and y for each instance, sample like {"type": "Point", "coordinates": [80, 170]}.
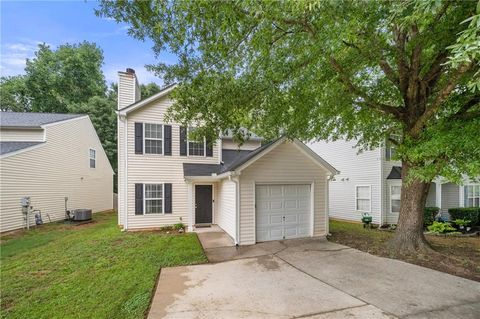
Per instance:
{"type": "Point", "coordinates": [469, 213]}
{"type": "Point", "coordinates": [429, 215]}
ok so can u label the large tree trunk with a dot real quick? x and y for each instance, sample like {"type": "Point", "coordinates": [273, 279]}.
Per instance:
{"type": "Point", "coordinates": [409, 235]}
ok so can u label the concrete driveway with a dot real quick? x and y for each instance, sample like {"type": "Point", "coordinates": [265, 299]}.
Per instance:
{"type": "Point", "coordinates": [310, 278]}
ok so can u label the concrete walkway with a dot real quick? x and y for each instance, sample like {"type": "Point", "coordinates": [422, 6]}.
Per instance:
{"type": "Point", "coordinates": [310, 278]}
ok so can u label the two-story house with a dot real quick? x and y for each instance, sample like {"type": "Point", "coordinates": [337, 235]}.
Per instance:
{"type": "Point", "coordinates": [57, 161]}
{"type": "Point", "coordinates": [370, 182]}
{"type": "Point", "coordinates": [254, 192]}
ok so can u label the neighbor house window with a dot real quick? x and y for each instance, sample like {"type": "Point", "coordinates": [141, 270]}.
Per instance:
{"type": "Point", "coordinates": [93, 158]}
{"type": "Point", "coordinates": [153, 138]}
{"type": "Point", "coordinates": [363, 198]}
{"type": "Point", "coordinates": [153, 198]}
{"type": "Point", "coordinates": [390, 147]}
{"type": "Point", "coordinates": [472, 195]}
{"type": "Point", "coordinates": [395, 192]}
{"type": "Point", "coordinates": [196, 147]}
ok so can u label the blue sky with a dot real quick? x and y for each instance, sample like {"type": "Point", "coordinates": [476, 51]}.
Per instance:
{"type": "Point", "coordinates": [25, 24]}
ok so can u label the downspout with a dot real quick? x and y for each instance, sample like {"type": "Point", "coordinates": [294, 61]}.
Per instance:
{"type": "Point", "coordinates": [235, 179]}
{"type": "Point", "coordinates": [125, 181]}
{"type": "Point", "coordinates": [327, 200]}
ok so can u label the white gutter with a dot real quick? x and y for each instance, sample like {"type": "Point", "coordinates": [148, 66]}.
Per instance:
{"type": "Point", "coordinates": [237, 207]}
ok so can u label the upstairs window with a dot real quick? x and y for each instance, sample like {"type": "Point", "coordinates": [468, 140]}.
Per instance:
{"type": "Point", "coordinates": [93, 158]}
{"type": "Point", "coordinates": [195, 147]}
{"type": "Point", "coordinates": [153, 138]}
{"type": "Point", "coordinates": [472, 195]}
{"type": "Point", "coordinates": [363, 198]}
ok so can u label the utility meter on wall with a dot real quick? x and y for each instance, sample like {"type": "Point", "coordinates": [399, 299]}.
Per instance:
{"type": "Point", "coordinates": [25, 201]}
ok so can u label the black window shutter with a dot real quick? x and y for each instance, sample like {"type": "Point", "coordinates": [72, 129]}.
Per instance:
{"type": "Point", "coordinates": [167, 140]}
{"type": "Point", "coordinates": [209, 148]}
{"type": "Point", "coordinates": [183, 141]}
{"type": "Point", "coordinates": [138, 138]}
{"type": "Point", "coordinates": [138, 199]}
{"type": "Point", "coordinates": [168, 198]}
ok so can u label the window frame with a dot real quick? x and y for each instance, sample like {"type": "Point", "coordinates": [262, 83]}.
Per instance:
{"type": "Point", "coordinates": [389, 146]}
{"type": "Point", "coordinates": [474, 196]}
{"type": "Point", "coordinates": [145, 199]}
{"type": "Point", "coordinates": [154, 139]}
{"type": "Point", "coordinates": [188, 144]}
{"type": "Point", "coordinates": [390, 198]}
{"type": "Point", "coordinates": [370, 199]}
{"type": "Point", "coordinates": [90, 158]}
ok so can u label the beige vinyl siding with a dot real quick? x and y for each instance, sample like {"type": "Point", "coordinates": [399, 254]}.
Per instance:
{"type": "Point", "coordinates": [127, 92]}
{"type": "Point", "coordinates": [225, 217]}
{"type": "Point", "coordinates": [25, 135]}
{"type": "Point", "coordinates": [284, 164]}
{"type": "Point", "coordinates": [58, 169]}
{"type": "Point", "coordinates": [154, 168]}
{"type": "Point", "coordinates": [355, 169]}
{"type": "Point", "coordinates": [229, 144]}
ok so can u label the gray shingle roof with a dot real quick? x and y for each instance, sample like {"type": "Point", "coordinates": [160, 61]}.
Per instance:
{"type": "Point", "coordinates": [395, 173]}
{"type": "Point", "coordinates": [232, 160]}
{"type": "Point", "coordinates": [18, 119]}
{"type": "Point", "coordinates": [192, 169]}
{"type": "Point", "coordinates": [9, 147]}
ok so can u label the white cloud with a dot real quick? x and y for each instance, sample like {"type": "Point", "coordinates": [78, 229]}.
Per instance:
{"type": "Point", "coordinates": [14, 55]}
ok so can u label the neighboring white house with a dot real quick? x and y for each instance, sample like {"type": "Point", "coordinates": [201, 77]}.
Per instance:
{"type": "Point", "coordinates": [253, 192]}
{"type": "Point", "coordinates": [48, 157]}
{"type": "Point", "coordinates": [371, 182]}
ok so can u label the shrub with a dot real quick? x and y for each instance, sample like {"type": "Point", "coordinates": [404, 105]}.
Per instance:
{"type": "Point", "coordinates": [469, 213]}
{"type": "Point", "coordinates": [462, 222]}
{"type": "Point", "coordinates": [429, 215]}
{"type": "Point", "coordinates": [178, 226]}
{"type": "Point", "coordinates": [441, 228]}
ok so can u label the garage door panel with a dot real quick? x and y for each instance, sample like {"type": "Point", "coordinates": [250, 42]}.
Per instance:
{"type": "Point", "coordinates": [282, 212]}
{"type": "Point", "coordinates": [276, 205]}
{"type": "Point", "coordinates": [275, 220]}
{"type": "Point", "coordinates": [291, 204]}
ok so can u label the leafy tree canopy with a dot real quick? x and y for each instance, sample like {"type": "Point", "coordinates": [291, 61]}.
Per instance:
{"type": "Point", "coordinates": [325, 70]}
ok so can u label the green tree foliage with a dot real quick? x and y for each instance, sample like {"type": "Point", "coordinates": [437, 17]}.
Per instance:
{"type": "Point", "coordinates": [329, 69]}
{"type": "Point", "coordinates": [58, 78]}
{"type": "Point", "coordinates": [14, 95]}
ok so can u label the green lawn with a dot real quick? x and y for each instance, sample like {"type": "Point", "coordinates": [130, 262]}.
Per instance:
{"type": "Point", "coordinates": [88, 271]}
{"type": "Point", "coordinates": [458, 256]}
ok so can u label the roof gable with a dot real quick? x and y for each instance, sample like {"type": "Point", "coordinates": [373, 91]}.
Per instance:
{"type": "Point", "coordinates": [135, 106]}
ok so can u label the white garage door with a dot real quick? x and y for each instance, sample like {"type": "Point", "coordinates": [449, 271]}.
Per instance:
{"type": "Point", "coordinates": [282, 212]}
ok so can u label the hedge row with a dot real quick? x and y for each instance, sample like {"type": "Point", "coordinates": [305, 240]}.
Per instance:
{"type": "Point", "coordinates": [469, 213]}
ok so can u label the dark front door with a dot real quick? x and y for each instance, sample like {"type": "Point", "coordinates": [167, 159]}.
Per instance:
{"type": "Point", "coordinates": [203, 204]}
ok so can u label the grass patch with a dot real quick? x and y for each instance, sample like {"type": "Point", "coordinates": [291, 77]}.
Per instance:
{"type": "Point", "coordinates": [458, 256]}
{"type": "Point", "coordinates": [88, 271]}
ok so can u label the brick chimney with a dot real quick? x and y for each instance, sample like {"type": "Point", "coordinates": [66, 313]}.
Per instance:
{"type": "Point", "coordinates": [128, 88]}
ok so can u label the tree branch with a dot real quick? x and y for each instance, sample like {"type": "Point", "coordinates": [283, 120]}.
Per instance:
{"type": "Point", "coordinates": [441, 97]}
{"type": "Point", "coordinates": [386, 68]}
{"type": "Point", "coordinates": [383, 108]}
{"type": "Point", "coordinates": [400, 40]}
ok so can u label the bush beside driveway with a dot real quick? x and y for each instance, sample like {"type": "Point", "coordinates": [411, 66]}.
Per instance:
{"type": "Point", "coordinates": [87, 271]}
